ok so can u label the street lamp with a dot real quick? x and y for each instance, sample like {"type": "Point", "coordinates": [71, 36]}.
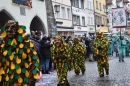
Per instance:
{"type": "Point", "coordinates": [57, 8]}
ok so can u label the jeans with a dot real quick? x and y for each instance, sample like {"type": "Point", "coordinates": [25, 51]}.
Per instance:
{"type": "Point", "coordinates": [45, 64]}
{"type": "Point", "coordinates": [121, 57]}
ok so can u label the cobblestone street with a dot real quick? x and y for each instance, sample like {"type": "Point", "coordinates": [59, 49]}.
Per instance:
{"type": "Point", "coordinates": [119, 75]}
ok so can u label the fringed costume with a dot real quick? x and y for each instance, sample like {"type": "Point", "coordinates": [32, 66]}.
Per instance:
{"type": "Point", "coordinates": [100, 48]}
{"type": "Point", "coordinates": [62, 60]}
{"type": "Point", "coordinates": [19, 64]}
{"type": "Point", "coordinates": [78, 59]}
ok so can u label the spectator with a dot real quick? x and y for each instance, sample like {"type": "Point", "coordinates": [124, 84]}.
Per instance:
{"type": "Point", "coordinates": [45, 50]}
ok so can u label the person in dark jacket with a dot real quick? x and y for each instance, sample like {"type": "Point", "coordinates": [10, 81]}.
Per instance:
{"type": "Point", "coordinates": [45, 50]}
{"type": "Point", "coordinates": [87, 43]}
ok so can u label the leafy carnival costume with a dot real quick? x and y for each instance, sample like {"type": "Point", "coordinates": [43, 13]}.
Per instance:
{"type": "Point", "coordinates": [18, 60]}
{"type": "Point", "coordinates": [61, 58]}
{"type": "Point", "coordinates": [100, 48]}
{"type": "Point", "coordinates": [78, 59]}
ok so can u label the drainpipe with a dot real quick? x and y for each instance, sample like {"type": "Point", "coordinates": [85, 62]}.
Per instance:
{"type": "Point", "coordinates": [50, 18]}
{"type": "Point", "coordinates": [94, 15]}
{"type": "Point", "coordinates": [72, 18]}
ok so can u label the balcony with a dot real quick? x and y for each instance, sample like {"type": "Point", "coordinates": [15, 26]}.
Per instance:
{"type": "Point", "coordinates": [125, 1]}
{"type": "Point", "coordinates": [109, 2]}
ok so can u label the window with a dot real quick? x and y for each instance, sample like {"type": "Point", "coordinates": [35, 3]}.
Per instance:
{"type": "Point", "coordinates": [96, 4]}
{"type": "Point", "coordinates": [73, 3]}
{"type": "Point", "coordinates": [100, 20]}
{"type": "Point", "coordinates": [74, 19]}
{"type": "Point", "coordinates": [63, 12]}
{"type": "Point", "coordinates": [82, 4]}
{"type": "Point", "coordinates": [103, 21]}
{"type": "Point", "coordinates": [57, 14]}
{"type": "Point", "coordinates": [76, 3]}
{"type": "Point", "coordinates": [68, 13]}
{"type": "Point", "coordinates": [88, 4]}
{"type": "Point", "coordinates": [104, 8]}
{"type": "Point", "coordinates": [100, 7]}
{"type": "Point", "coordinates": [96, 18]}
{"type": "Point", "coordinates": [91, 21]}
{"type": "Point", "coordinates": [91, 5]}
{"type": "Point", "coordinates": [83, 21]}
{"type": "Point", "coordinates": [78, 20]}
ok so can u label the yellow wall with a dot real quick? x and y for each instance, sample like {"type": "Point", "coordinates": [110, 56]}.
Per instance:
{"type": "Point", "coordinates": [103, 14]}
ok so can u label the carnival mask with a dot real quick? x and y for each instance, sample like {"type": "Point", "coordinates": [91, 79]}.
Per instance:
{"type": "Point", "coordinates": [11, 29]}
{"type": "Point", "coordinates": [76, 41]}
{"type": "Point", "coordinates": [58, 41]}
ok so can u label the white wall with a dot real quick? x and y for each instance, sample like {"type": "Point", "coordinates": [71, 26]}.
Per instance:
{"type": "Point", "coordinates": [90, 13]}
{"type": "Point", "coordinates": [66, 22]}
{"type": "Point", "coordinates": [38, 8]}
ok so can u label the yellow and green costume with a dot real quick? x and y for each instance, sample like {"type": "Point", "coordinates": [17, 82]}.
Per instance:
{"type": "Point", "coordinates": [62, 60]}
{"type": "Point", "coordinates": [77, 53]}
{"type": "Point", "coordinates": [18, 59]}
{"type": "Point", "coordinates": [100, 48]}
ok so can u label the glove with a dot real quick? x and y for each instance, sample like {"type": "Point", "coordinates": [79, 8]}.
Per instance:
{"type": "Point", "coordinates": [99, 48]}
{"type": "Point", "coordinates": [57, 57]}
{"type": "Point", "coordinates": [63, 57]}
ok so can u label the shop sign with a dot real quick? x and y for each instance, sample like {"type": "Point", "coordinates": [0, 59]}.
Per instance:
{"type": "Point", "coordinates": [79, 27]}
{"type": "Point", "coordinates": [91, 28]}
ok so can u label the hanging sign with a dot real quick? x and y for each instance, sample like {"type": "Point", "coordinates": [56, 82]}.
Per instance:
{"type": "Point", "coordinates": [24, 3]}
{"type": "Point", "coordinates": [118, 18]}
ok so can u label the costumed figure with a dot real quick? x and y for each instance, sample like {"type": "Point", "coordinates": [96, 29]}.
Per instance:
{"type": "Point", "coordinates": [127, 48]}
{"type": "Point", "coordinates": [100, 48]}
{"type": "Point", "coordinates": [110, 49]}
{"type": "Point", "coordinates": [19, 64]}
{"type": "Point", "coordinates": [78, 59]}
{"type": "Point", "coordinates": [121, 48]}
{"type": "Point", "coordinates": [62, 60]}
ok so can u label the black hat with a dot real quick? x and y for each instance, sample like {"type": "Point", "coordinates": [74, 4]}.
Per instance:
{"type": "Point", "coordinates": [44, 38]}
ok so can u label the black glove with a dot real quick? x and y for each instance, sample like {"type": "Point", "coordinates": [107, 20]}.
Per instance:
{"type": "Point", "coordinates": [57, 57]}
{"type": "Point", "coordinates": [63, 57]}
{"type": "Point", "coordinates": [99, 48]}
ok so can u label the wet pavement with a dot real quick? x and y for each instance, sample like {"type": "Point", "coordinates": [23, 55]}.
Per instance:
{"type": "Point", "coordinates": [119, 75]}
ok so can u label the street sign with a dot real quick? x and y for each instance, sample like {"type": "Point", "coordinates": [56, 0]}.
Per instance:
{"type": "Point", "coordinates": [54, 27]}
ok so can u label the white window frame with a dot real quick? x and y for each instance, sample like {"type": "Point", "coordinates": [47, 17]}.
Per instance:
{"type": "Point", "coordinates": [63, 13]}
{"type": "Point", "coordinates": [83, 20]}
{"type": "Point", "coordinates": [68, 13]}
{"type": "Point", "coordinates": [78, 21]}
{"type": "Point", "coordinates": [97, 5]}
{"type": "Point", "coordinates": [82, 4]}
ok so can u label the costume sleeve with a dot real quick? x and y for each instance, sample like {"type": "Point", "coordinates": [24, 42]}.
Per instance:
{"type": "Point", "coordinates": [94, 47]}
{"type": "Point", "coordinates": [53, 54]}
{"type": "Point", "coordinates": [81, 49]}
{"type": "Point", "coordinates": [67, 54]}
{"type": "Point", "coordinates": [105, 43]}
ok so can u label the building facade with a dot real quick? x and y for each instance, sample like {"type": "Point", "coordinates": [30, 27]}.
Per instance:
{"type": "Point", "coordinates": [63, 16]}
{"type": "Point", "coordinates": [26, 13]}
{"type": "Point", "coordinates": [79, 11]}
{"type": "Point", "coordinates": [90, 17]}
{"type": "Point", "coordinates": [100, 16]}
{"type": "Point", "coordinates": [116, 4]}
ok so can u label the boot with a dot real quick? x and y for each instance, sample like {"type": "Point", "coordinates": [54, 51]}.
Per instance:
{"type": "Point", "coordinates": [43, 72]}
{"type": "Point", "coordinates": [47, 72]}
